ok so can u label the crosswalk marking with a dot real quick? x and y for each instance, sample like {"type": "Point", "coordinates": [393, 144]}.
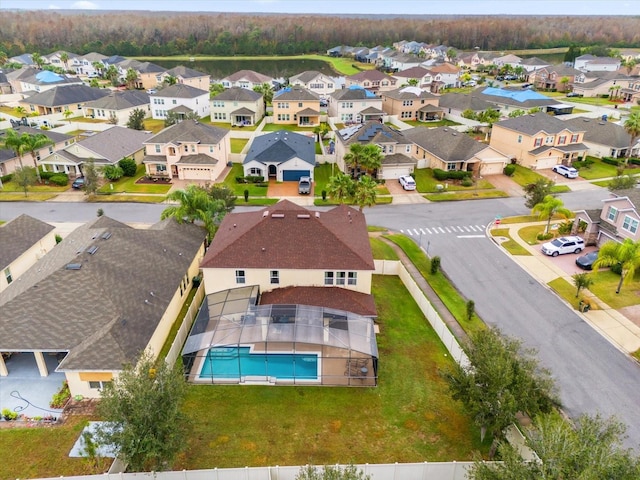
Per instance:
{"type": "Point", "coordinates": [457, 229]}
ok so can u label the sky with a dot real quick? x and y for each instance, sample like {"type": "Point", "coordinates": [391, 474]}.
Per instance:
{"type": "Point", "coordinates": [424, 7]}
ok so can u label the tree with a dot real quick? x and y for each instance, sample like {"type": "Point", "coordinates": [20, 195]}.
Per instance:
{"type": "Point", "coordinates": [340, 187]}
{"type": "Point", "coordinates": [572, 53]}
{"type": "Point", "coordinates": [112, 172]}
{"type": "Point", "coordinates": [626, 254]}
{"type": "Point", "coordinates": [330, 472]}
{"type": "Point", "coordinates": [353, 158]}
{"type": "Point", "coordinates": [25, 177]}
{"type": "Point", "coordinates": [581, 280]}
{"type": "Point", "coordinates": [517, 113]}
{"type": "Point", "coordinates": [321, 130]}
{"type": "Point", "coordinates": [128, 166]}
{"type": "Point", "coordinates": [215, 89]}
{"type": "Point", "coordinates": [143, 408]}
{"type": "Point", "coordinates": [488, 116]}
{"type": "Point", "coordinates": [67, 113]}
{"type": "Point", "coordinates": [3, 57]}
{"type": "Point", "coordinates": [622, 182]}
{"type": "Point", "coordinates": [91, 178]}
{"type": "Point", "coordinates": [13, 141]}
{"type": "Point", "coordinates": [169, 80]}
{"type": "Point", "coordinates": [136, 119]}
{"type": "Point", "coordinates": [131, 78]}
{"type": "Point", "coordinates": [535, 192]}
{"type": "Point", "coordinates": [266, 91]}
{"type": "Point", "coordinates": [32, 143]}
{"type": "Point", "coordinates": [224, 194]}
{"type": "Point", "coordinates": [64, 58]}
{"type": "Point", "coordinates": [549, 207]}
{"type": "Point", "coordinates": [113, 75]}
{"type": "Point", "coordinates": [37, 59]}
{"type": "Point", "coordinates": [371, 158]}
{"type": "Point", "coordinates": [365, 192]}
{"type": "Point", "coordinates": [501, 381]}
{"type": "Point", "coordinates": [590, 451]}
{"type": "Point", "coordinates": [98, 67]}
{"type": "Point", "coordinates": [632, 126]}
{"type": "Point", "coordinates": [195, 204]}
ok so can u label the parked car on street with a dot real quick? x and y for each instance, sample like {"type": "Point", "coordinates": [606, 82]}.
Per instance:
{"type": "Point", "coordinates": [562, 245]}
{"type": "Point", "coordinates": [304, 185]}
{"type": "Point", "coordinates": [573, 94]}
{"type": "Point", "coordinates": [585, 262]}
{"type": "Point", "coordinates": [568, 172]}
{"type": "Point", "coordinates": [407, 182]}
{"type": "Point", "coordinates": [78, 183]}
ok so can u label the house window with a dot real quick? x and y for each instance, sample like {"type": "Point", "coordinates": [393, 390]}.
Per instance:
{"type": "Point", "coordinates": [299, 104]}
{"type": "Point", "coordinates": [340, 278]}
{"type": "Point", "coordinates": [158, 150]}
{"type": "Point", "coordinates": [352, 278]}
{"type": "Point", "coordinates": [98, 385]}
{"type": "Point", "coordinates": [630, 224]}
{"type": "Point", "coordinates": [8, 276]}
{"type": "Point", "coordinates": [451, 166]}
{"type": "Point", "coordinates": [255, 172]}
{"type": "Point", "coordinates": [612, 214]}
{"type": "Point", "coordinates": [240, 277]}
{"type": "Point", "coordinates": [328, 278]}
{"type": "Point", "coordinates": [519, 138]}
{"type": "Point", "coordinates": [574, 138]}
{"type": "Point", "coordinates": [562, 140]}
{"type": "Point", "coordinates": [274, 277]}
{"type": "Point", "coordinates": [161, 168]}
{"type": "Point", "coordinates": [538, 142]}
{"type": "Point", "coordinates": [549, 140]}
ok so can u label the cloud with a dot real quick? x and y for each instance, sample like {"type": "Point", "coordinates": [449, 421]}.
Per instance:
{"type": "Point", "coordinates": [54, 7]}
{"type": "Point", "coordinates": [84, 5]}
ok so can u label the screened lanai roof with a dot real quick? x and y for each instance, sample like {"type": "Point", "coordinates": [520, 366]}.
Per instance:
{"type": "Point", "coordinates": [232, 317]}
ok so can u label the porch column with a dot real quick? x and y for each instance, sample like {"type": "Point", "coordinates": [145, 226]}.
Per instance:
{"type": "Point", "coordinates": [3, 367]}
{"type": "Point", "coordinates": [42, 365]}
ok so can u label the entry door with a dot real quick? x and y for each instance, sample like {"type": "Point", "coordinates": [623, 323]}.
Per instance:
{"type": "Point", "coordinates": [273, 170]}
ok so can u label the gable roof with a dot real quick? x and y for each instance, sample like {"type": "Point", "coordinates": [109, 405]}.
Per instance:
{"type": "Point", "coordinates": [184, 72]}
{"type": "Point", "coordinates": [117, 100]}
{"type": "Point", "coordinates": [328, 297]}
{"type": "Point", "coordinates": [535, 123]}
{"type": "Point", "coordinates": [180, 90]}
{"type": "Point", "coordinates": [288, 236]}
{"type": "Point", "coordinates": [406, 93]}
{"type": "Point", "coordinates": [444, 68]}
{"type": "Point", "coordinates": [60, 96]}
{"type": "Point", "coordinates": [445, 143]}
{"type": "Point", "coordinates": [354, 92]}
{"type": "Point", "coordinates": [413, 72]}
{"type": "Point", "coordinates": [189, 131]}
{"type": "Point", "coordinates": [280, 146]}
{"type": "Point", "coordinates": [104, 312]}
{"type": "Point", "coordinates": [250, 75]}
{"type": "Point", "coordinates": [305, 77]}
{"type": "Point", "coordinates": [631, 194]}
{"type": "Point", "coordinates": [19, 235]}
{"type": "Point", "coordinates": [463, 101]}
{"type": "Point", "coordinates": [296, 93]}
{"type": "Point", "coordinates": [371, 132]}
{"type": "Point", "coordinates": [371, 75]}
{"type": "Point", "coordinates": [238, 94]}
{"type": "Point", "coordinates": [602, 133]}
{"type": "Point", "coordinates": [534, 61]}
{"type": "Point", "coordinates": [517, 97]}
{"type": "Point", "coordinates": [114, 144]}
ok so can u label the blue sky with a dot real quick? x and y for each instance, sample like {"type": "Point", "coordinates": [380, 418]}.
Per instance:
{"type": "Point", "coordinates": [473, 7]}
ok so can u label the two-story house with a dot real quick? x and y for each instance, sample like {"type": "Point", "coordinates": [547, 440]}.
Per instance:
{"type": "Point", "coordinates": [533, 63]}
{"type": "Point", "coordinates": [410, 103]}
{"type": "Point", "coordinates": [188, 76]}
{"type": "Point", "coordinates": [394, 146]}
{"type": "Point", "coordinates": [246, 79]}
{"type": "Point", "coordinates": [355, 104]}
{"type": "Point", "coordinates": [88, 64]}
{"type": "Point", "coordinates": [617, 220]}
{"type": "Point", "coordinates": [61, 59]}
{"type": "Point", "coordinates": [592, 63]}
{"type": "Point", "coordinates": [416, 76]}
{"type": "Point", "coordinates": [180, 99]}
{"type": "Point", "coordinates": [631, 91]}
{"type": "Point", "coordinates": [188, 150]}
{"type": "Point", "coordinates": [373, 80]}
{"type": "Point", "coordinates": [296, 106]}
{"type": "Point", "coordinates": [237, 106]}
{"type": "Point", "coordinates": [599, 83]}
{"type": "Point", "coordinates": [445, 75]}
{"type": "Point", "coordinates": [314, 81]}
{"type": "Point", "coordinates": [539, 140]}
{"type": "Point", "coordinates": [605, 139]}
{"type": "Point", "coordinates": [554, 77]}
{"type": "Point", "coordinates": [149, 75]}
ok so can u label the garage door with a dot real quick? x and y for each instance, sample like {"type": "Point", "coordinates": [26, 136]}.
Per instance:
{"type": "Point", "coordinates": [294, 175]}
{"type": "Point", "coordinates": [492, 168]}
{"type": "Point", "coordinates": [196, 173]}
{"type": "Point", "coordinates": [547, 162]}
{"type": "Point", "coordinates": [388, 172]}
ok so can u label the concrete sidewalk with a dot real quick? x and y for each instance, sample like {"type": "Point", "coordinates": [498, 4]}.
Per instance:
{"type": "Point", "coordinates": [621, 331]}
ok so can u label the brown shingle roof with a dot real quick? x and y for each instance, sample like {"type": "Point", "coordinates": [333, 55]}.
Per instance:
{"type": "Point", "coordinates": [328, 297]}
{"type": "Point", "coordinates": [287, 236]}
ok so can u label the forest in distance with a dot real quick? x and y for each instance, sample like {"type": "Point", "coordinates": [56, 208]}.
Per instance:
{"type": "Point", "coordinates": [140, 33]}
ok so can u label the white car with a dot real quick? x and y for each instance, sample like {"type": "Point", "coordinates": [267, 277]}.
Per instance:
{"type": "Point", "coordinates": [407, 182]}
{"type": "Point", "coordinates": [563, 245]}
{"type": "Point", "coordinates": [568, 172]}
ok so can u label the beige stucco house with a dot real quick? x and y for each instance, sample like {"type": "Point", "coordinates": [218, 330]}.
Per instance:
{"type": "Point", "coordinates": [538, 141]}
{"type": "Point", "coordinates": [149, 75]}
{"type": "Point", "coordinates": [105, 294]}
{"type": "Point", "coordinates": [188, 150]}
{"type": "Point", "coordinates": [59, 99]}
{"type": "Point", "coordinates": [315, 82]}
{"type": "Point", "coordinates": [373, 80]}
{"type": "Point", "coordinates": [247, 79]}
{"type": "Point", "coordinates": [237, 106]}
{"type": "Point", "coordinates": [188, 76]}
{"type": "Point", "coordinates": [554, 77]}
{"type": "Point", "coordinates": [410, 103]}
{"type": "Point", "coordinates": [354, 104]}
{"type": "Point", "coordinates": [605, 139]}
{"type": "Point", "coordinates": [24, 240]}
{"type": "Point", "coordinates": [118, 105]}
{"type": "Point", "coordinates": [296, 106]}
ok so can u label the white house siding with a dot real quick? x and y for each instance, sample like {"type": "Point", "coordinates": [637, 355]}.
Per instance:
{"type": "Point", "coordinates": [161, 105]}
{"type": "Point", "coordinates": [390, 172]}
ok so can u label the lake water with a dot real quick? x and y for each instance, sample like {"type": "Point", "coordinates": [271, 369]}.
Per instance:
{"type": "Point", "coordinates": [219, 69]}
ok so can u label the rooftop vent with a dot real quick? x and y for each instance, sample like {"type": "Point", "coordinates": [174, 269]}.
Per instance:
{"type": "Point", "coordinates": [73, 266]}
{"type": "Point", "coordinates": [317, 214]}
{"type": "Point", "coordinates": [265, 213]}
{"type": "Point", "coordinates": [303, 215]}
{"type": "Point", "coordinates": [106, 235]}
{"type": "Point", "coordinates": [277, 215]}
{"type": "Point", "coordinates": [92, 249]}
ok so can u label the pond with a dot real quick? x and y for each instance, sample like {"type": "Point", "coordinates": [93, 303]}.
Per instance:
{"type": "Point", "coordinates": [219, 69]}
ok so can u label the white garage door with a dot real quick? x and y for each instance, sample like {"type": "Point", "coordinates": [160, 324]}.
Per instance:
{"type": "Point", "coordinates": [492, 168]}
{"type": "Point", "coordinates": [547, 162]}
{"type": "Point", "coordinates": [196, 173]}
{"type": "Point", "coordinates": [389, 172]}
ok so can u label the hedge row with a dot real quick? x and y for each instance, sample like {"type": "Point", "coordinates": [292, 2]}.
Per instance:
{"type": "Point", "coordinates": [450, 174]}
{"type": "Point", "coordinates": [620, 161]}
{"type": "Point", "coordinates": [250, 179]}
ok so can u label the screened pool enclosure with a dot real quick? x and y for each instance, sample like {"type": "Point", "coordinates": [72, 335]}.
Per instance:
{"type": "Point", "coordinates": [234, 339]}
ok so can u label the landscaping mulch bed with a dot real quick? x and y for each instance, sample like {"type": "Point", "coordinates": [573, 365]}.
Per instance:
{"type": "Point", "coordinates": [148, 181]}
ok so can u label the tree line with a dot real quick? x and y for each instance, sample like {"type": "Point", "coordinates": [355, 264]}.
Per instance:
{"type": "Point", "coordinates": [163, 34]}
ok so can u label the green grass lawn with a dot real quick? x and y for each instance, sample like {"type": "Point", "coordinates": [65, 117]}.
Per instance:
{"type": "Point", "coordinates": [426, 183]}
{"type": "Point", "coordinates": [37, 188]}
{"type": "Point", "coordinates": [321, 175]}
{"type": "Point", "coordinates": [475, 195]}
{"type": "Point", "coordinates": [227, 126]}
{"type": "Point", "coordinates": [381, 250]}
{"type": "Point", "coordinates": [437, 123]}
{"type": "Point", "coordinates": [592, 101]}
{"type": "Point", "coordinates": [565, 290]}
{"type": "Point", "coordinates": [409, 417]}
{"type": "Point", "coordinates": [454, 302]}
{"type": "Point", "coordinates": [153, 125]}
{"type": "Point", "coordinates": [529, 234]}
{"type": "Point", "coordinates": [524, 176]}
{"type": "Point", "coordinates": [273, 127]}
{"type": "Point", "coordinates": [511, 246]}
{"type": "Point", "coordinates": [520, 219]}
{"type": "Point", "coordinates": [599, 169]}
{"type": "Point", "coordinates": [604, 287]}
{"type": "Point", "coordinates": [126, 198]}
{"type": "Point", "coordinates": [129, 185]}
{"type": "Point", "coordinates": [239, 188]}
{"type": "Point", "coordinates": [31, 196]}
{"type": "Point", "coordinates": [237, 144]}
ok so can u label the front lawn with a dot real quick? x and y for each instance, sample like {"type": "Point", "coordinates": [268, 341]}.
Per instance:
{"type": "Point", "coordinates": [604, 287]}
{"type": "Point", "coordinates": [565, 290]}
{"type": "Point", "coordinates": [129, 185]}
{"type": "Point", "coordinates": [524, 176]}
{"type": "Point", "coordinates": [409, 417]}
{"type": "Point", "coordinates": [475, 195]}
{"type": "Point", "coordinates": [599, 169]}
{"type": "Point", "coordinates": [37, 188]}
{"type": "Point", "coordinates": [153, 125]}
{"type": "Point", "coordinates": [510, 245]}
{"type": "Point", "coordinates": [382, 250]}
{"type": "Point", "coordinates": [239, 188]}
{"type": "Point", "coordinates": [238, 144]}
{"type": "Point", "coordinates": [321, 175]}
{"type": "Point", "coordinates": [273, 127]}
{"type": "Point", "coordinates": [426, 183]}
{"type": "Point", "coordinates": [436, 123]}
{"type": "Point", "coordinates": [529, 234]}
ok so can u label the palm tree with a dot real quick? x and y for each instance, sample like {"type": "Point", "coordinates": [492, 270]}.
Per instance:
{"type": "Point", "coordinates": [632, 126]}
{"type": "Point", "coordinates": [98, 67]}
{"type": "Point", "coordinates": [64, 58]}
{"type": "Point", "coordinates": [354, 157]}
{"type": "Point", "coordinates": [13, 141]}
{"type": "Point", "coordinates": [32, 143]}
{"type": "Point", "coordinates": [549, 207]}
{"type": "Point", "coordinates": [371, 158]}
{"type": "Point", "coordinates": [365, 192]}
{"type": "Point", "coordinates": [266, 91]}
{"type": "Point", "coordinates": [340, 187]}
{"type": "Point", "coordinates": [131, 78]}
{"type": "Point", "coordinates": [625, 254]}
{"type": "Point", "coordinates": [195, 204]}
{"type": "Point", "coordinates": [112, 75]}
{"type": "Point", "coordinates": [37, 59]}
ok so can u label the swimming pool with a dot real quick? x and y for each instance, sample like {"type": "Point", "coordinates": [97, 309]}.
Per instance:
{"type": "Point", "coordinates": [237, 362]}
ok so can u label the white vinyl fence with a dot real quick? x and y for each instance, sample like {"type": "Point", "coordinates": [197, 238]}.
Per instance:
{"type": "Point", "coordinates": [184, 329]}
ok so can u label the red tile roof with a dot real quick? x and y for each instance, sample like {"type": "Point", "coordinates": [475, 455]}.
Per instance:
{"type": "Point", "coordinates": [288, 236]}
{"type": "Point", "coordinates": [328, 297]}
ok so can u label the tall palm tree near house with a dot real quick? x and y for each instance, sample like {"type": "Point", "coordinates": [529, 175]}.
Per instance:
{"type": "Point", "coordinates": [64, 58]}
{"type": "Point", "coordinates": [113, 75]}
{"type": "Point", "coordinates": [131, 78]}
{"type": "Point", "coordinates": [196, 205]}
{"type": "Point", "coordinates": [371, 159]}
{"type": "Point", "coordinates": [549, 207]}
{"type": "Point", "coordinates": [37, 59]}
{"type": "Point", "coordinates": [33, 143]}
{"type": "Point", "coordinates": [625, 254]}
{"type": "Point", "coordinates": [13, 141]}
{"type": "Point", "coordinates": [3, 57]}
{"type": "Point", "coordinates": [353, 158]}
{"type": "Point", "coordinates": [98, 67]}
{"type": "Point", "coordinates": [365, 192]}
{"type": "Point", "coordinates": [340, 187]}
{"type": "Point", "coordinates": [632, 126]}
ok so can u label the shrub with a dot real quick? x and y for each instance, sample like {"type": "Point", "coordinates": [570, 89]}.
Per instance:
{"type": "Point", "coordinates": [611, 161]}
{"type": "Point", "coordinates": [565, 227]}
{"type": "Point", "coordinates": [112, 172]}
{"type": "Point", "coordinates": [324, 195]}
{"type": "Point", "coordinates": [617, 268]}
{"type": "Point", "coordinates": [128, 166]}
{"type": "Point", "coordinates": [435, 265]}
{"type": "Point", "coordinates": [60, 179]}
{"type": "Point", "coordinates": [6, 178]}
{"type": "Point", "coordinates": [634, 161]}
{"type": "Point", "coordinates": [254, 179]}
{"type": "Point", "coordinates": [466, 182]}
{"type": "Point", "coordinates": [544, 236]}
{"type": "Point", "coordinates": [586, 163]}
{"type": "Point", "coordinates": [60, 398]}
{"type": "Point", "coordinates": [246, 195]}
{"type": "Point", "coordinates": [509, 170]}
{"type": "Point", "coordinates": [9, 414]}
{"type": "Point", "coordinates": [440, 174]}
{"type": "Point", "coordinates": [47, 175]}
{"type": "Point", "coordinates": [471, 308]}
{"type": "Point", "coordinates": [58, 238]}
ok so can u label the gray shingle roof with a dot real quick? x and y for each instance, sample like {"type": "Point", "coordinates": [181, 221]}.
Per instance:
{"type": "Point", "coordinates": [463, 101]}
{"type": "Point", "coordinates": [250, 75]}
{"type": "Point", "coordinates": [190, 131]}
{"type": "Point", "coordinates": [121, 100]}
{"type": "Point", "coordinates": [347, 94]}
{"type": "Point", "coordinates": [408, 93]}
{"type": "Point", "coordinates": [602, 133]}
{"type": "Point", "coordinates": [115, 143]}
{"type": "Point", "coordinates": [180, 90]}
{"type": "Point", "coordinates": [398, 159]}
{"type": "Point", "coordinates": [185, 72]}
{"type": "Point", "coordinates": [536, 123]}
{"type": "Point", "coordinates": [103, 313]}
{"type": "Point", "coordinates": [445, 143]}
{"type": "Point", "coordinates": [374, 132]}
{"type": "Point", "coordinates": [61, 96]}
{"type": "Point", "coordinates": [281, 146]}
{"type": "Point", "coordinates": [305, 77]}
{"type": "Point", "coordinates": [19, 235]}
{"type": "Point", "coordinates": [55, 137]}
{"type": "Point", "coordinates": [295, 93]}
{"type": "Point", "coordinates": [238, 94]}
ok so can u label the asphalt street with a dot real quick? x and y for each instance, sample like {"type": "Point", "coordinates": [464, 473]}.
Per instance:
{"type": "Point", "coordinates": [591, 374]}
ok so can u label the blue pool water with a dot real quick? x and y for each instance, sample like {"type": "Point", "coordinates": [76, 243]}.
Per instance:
{"type": "Point", "coordinates": [236, 362]}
